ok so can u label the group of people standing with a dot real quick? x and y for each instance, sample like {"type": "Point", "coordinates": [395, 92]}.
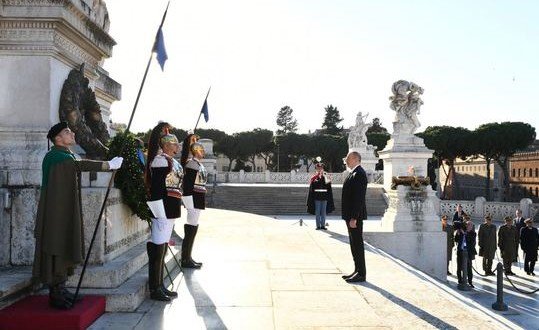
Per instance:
{"type": "Point", "coordinates": [512, 233]}
{"type": "Point", "coordinates": [170, 183]}
{"type": "Point", "coordinates": [58, 232]}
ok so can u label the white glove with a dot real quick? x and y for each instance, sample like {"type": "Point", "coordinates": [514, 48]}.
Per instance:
{"type": "Point", "coordinates": [115, 163]}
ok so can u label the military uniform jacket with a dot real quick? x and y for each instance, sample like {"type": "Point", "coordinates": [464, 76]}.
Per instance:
{"type": "Point", "coordinates": [194, 183]}
{"type": "Point", "coordinates": [166, 178]}
{"type": "Point", "coordinates": [354, 190]}
{"type": "Point", "coordinates": [59, 228]}
{"type": "Point", "coordinates": [320, 190]}
{"type": "Point", "coordinates": [508, 242]}
{"type": "Point", "coordinates": [529, 241]}
{"type": "Point", "coordinates": [487, 240]}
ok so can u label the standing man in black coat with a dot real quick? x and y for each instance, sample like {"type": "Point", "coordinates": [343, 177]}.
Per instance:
{"type": "Point", "coordinates": [354, 211]}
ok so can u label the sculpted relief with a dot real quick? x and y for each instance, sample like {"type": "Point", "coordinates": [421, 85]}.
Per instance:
{"type": "Point", "coordinates": [78, 106]}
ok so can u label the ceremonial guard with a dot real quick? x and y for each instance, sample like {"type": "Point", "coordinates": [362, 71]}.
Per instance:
{"type": "Point", "coordinates": [194, 195]}
{"type": "Point", "coordinates": [320, 197]}
{"type": "Point", "coordinates": [59, 228]}
{"type": "Point", "coordinates": [163, 178]}
{"type": "Point", "coordinates": [529, 241]}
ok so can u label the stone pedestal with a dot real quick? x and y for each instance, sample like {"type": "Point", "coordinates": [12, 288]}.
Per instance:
{"type": "Point", "coordinates": [411, 230]}
{"type": "Point", "coordinates": [368, 159]}
{"type": "Point", "coordinates": [401, 152]}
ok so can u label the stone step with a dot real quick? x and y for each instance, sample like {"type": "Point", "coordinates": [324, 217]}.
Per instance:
{"type": "Point", "coordinates": [113, 273]}
{"type": "Point", "coordinates": [279, 200]}
{"type": "Point", "coordinates": [128, 273]}
{"type": "Point", "coordinates": [15, 283]}
{"type": "Point", "coordinates": [129, 295]}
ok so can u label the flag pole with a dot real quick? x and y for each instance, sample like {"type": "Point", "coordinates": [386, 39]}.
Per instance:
{"type": "Point", "coordinates": [200, 114]}
{"type": "Point", "coordinates": [114, 171]}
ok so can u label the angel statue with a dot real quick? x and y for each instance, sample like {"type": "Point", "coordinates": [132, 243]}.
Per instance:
{"type": "Point", "coordinates": [406, 102]}
{"type": "Point", "coordinates": [358, 133]}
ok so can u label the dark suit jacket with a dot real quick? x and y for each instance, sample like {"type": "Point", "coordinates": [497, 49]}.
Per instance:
{"type": "Point", "coordinates": [354, 190]}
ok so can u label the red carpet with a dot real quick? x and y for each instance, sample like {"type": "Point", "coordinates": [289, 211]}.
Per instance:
{"type": "Point", "coordinates": [34, 312]}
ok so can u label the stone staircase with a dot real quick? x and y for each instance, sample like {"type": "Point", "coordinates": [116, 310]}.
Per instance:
{"type": "Point", "coordinates": [285, 199]}
{"type": "Point", "coordinates": [123, 280]}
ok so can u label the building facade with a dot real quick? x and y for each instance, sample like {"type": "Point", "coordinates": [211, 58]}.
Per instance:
{"type": "Point", "coordinates": [524, 175]}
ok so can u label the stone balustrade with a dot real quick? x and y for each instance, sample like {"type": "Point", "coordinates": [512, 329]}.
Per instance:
{"type": "Point", "coordinates": [497, 210]}
{"type": "Point", "coordinates": [283, 177]}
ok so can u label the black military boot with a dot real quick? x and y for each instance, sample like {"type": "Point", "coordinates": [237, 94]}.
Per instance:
{"type": "Point", "coordinates": [154, 265]}
{"type": "Point", "coordinates": [57, 297]}
{"type": "Point", "coordinates": [187, 246]}
{"type": "Point", "coordinates": [195, 230]}
{"type": "Point", "coordinates": [172, 294]}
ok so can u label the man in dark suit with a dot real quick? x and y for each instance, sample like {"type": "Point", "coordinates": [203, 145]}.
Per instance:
{"type": "Point", "coordinates": [354, 211]}
{"type": "Point", "coordinates": [519, 220]}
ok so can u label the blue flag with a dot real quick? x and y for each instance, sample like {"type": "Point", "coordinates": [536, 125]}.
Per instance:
{"type": "Point", "coordinates": [159, 48]}
{"type": "Point", "coordinates": [205, 110]}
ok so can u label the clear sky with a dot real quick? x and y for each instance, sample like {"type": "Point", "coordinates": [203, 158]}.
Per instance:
{"type": "Point", "coordinates": [478, 61]}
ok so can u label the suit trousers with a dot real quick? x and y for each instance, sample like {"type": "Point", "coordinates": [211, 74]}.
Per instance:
{"type": "Point", "coordinates": [487, 265]}
{"type": "Point", "coordinates": [460, 266]}
{"type": "Point", "coordinates": [357, 247]}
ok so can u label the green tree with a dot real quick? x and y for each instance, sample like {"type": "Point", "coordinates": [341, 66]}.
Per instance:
{"type": "Point", "coordinates": [332, 118]}
{"type": "Point", "coordinates": [378, 139]}
{"type": "Point", "coordinates": [503, 140]}
{"type": "Point", "coordinates": [285, 120]}
{"type": "Point", "coordinates": [230, 148]}
{"type": "Point", "coordinates": [448, 144]}
{"type": "Point", "coordinates": [377, 127]}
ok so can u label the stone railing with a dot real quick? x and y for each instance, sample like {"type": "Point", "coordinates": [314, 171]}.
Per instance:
{"type": "Point", "coordinates": [283, 177]}
{"type": "Point", "coordinates": [497, 210]}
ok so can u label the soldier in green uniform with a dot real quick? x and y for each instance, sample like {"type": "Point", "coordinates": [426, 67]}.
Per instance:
{"type": "Point", "coordinates": [508, 243]}
{"type": "Point", "coordinates": [59, 229]}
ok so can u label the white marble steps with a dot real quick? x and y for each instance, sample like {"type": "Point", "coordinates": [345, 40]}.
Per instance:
{"type": "Point", "coordinates": [123, 281]}
{"type": "Point", "coordinates": [129, 295]}
{"type": "Point", "coordinates": [287, 200]}
{"type": "Point", "coordinates": [113, 273]}
{"type": "Point", "coordinates": [15, 283]}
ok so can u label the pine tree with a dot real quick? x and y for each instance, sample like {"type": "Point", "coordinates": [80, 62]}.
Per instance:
{"type": "Point", "coordinates": [286, 121]}
{"type": "Point", "coordinates": [331, 120]}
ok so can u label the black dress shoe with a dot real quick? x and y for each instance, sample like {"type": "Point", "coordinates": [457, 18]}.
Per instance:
{"type": "Point", "coordinates": [60, 302]}
{"type": "Point", "coordinates": [317, 228]}
{"type": "Point", "coordinates": [356, 278]}
{"type": "Point", "coordinates": [345, 277]}
{"type": "Point", "coordinates": [324, 228]}
{"type": "Point", "coordinates": [168, 293]}
{"type": "Point", "coordinates": [533, 274]}
{"type": "Point", "coordinates": [449, 273]}
{"type": "Point", "coordinates": [72, 295]}
{"type": "Point", "coordinates": [190, 264]}
{"type": "Point", "coordinates": [471, 285]}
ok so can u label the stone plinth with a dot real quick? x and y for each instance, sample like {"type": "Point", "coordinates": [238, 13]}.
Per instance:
{"type": "Point", "coordinates": [411, 230]}
{"type": "Point", "coordinates": [119, 230]}
{"type": "Point", "coordinates": [368, 159]}
{"type": "Point", "coordinates": [401, 152]}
